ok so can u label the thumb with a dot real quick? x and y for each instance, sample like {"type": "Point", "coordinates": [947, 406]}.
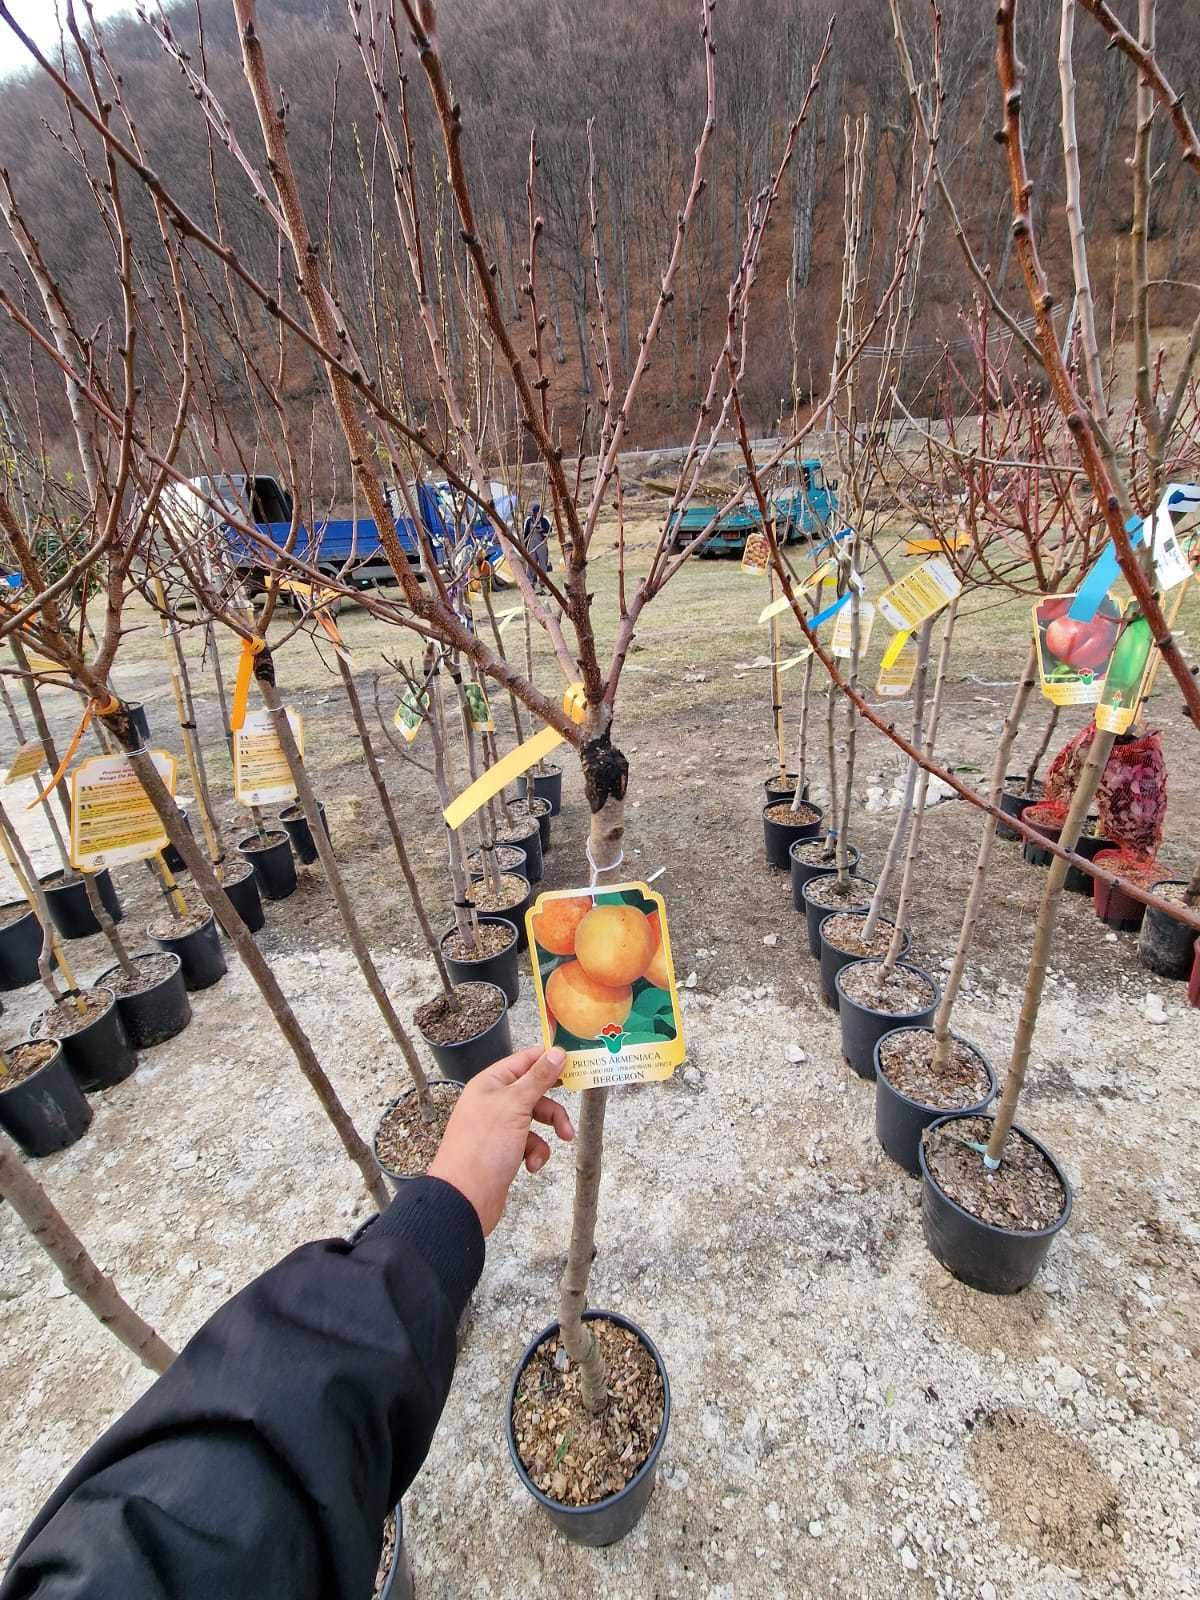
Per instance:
{"type": "Point", "coordinates": [542, 1075]}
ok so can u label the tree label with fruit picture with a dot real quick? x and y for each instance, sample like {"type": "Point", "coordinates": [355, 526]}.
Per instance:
{"type": "Point", "coordinates": [1072, 655]}
{"type": "Point", "coordinates": [605, 984]}
{"type": "Point", "coordinates": [756, 555]}
{"type": "Point", "coordinates": [479, 713]}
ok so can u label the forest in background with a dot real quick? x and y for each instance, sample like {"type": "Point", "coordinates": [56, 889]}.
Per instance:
{"type": "Point", "coordinates": [636, 70]}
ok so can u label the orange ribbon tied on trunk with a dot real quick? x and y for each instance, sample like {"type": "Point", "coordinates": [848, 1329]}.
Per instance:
{"type": "Point", "coordinates": [241, 686]}
{"type": "Point", "coordinates": [93, 706]}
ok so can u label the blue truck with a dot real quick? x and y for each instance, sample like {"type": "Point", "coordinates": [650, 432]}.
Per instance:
{"type": "Point", "coordinates": [347, 548]}
{"type": "Point", "coordinates": [804, 501]}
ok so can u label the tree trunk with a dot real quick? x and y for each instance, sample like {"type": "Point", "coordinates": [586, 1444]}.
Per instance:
{"type": "Point", "coordinates": [918, 819]}
{"type": "Point", "coordinates": [1039, 754]}
{"type": "Point", "coordinates": [983, 860]}
{"type": "Point", "coordinates": [79, 1272]}
{"type": "Point", "coordinates": [910, 786]}
{"type": "Point", "coordinates": [606, 778]}
{"type": "Point", "coordinates": [1089, 782]}
{"type": "Point", "coordinates": [251, 956]}
{"type": "Point", "coordinates": [264, 672]}
{"type": "Point", "coordinates": [389, 816]}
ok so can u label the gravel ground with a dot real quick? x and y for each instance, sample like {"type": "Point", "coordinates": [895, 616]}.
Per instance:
{"type": "Point", "coordinates": [846, 1418]}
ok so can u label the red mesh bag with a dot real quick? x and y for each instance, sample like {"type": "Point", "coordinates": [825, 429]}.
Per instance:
{"type": "Point", "coordinates": [1132, 800]}
{"type": "Point", "coordinates": [1063, 776]}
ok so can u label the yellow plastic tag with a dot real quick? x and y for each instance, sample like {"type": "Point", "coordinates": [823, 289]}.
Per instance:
{"type": "Point", "coordinates": [773, 610]}
{"type": "Point", "coordinates": [26, 762]}
{"type": "Point", "coordinates": [919, 594]}
{"type": "Point", "coordinates": [897, 644]}
{"type": "Point", "coordinates": [574, 703]}
{"type": "Point", "coordinates": [496, 778]}
{"type": "Point", "coordinates": [112, 819]}
{"type": "Point", "coordinates": [241, 684]}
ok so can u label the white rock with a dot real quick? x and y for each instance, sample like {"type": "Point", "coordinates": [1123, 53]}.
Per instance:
{"type": "Point", "coordinates": [907, 1560]}
{"type": "Point", "coordinates": [770, 940]}
{"type": "Point", "coordinates": [987, 1590]}
{"type": "Point", "coordinates": [816, 1529]}
{"type": "Point", "coordinates": [184, 1160]}
{"type": "Point", "coordinates": [1067, 1381]}
{"type": "Point", "coordinates": [1154, 1011]}
{"type": "Point", "coordinates": [690, 981]}
{"type": "Point", "coordinates": [795, 1055]}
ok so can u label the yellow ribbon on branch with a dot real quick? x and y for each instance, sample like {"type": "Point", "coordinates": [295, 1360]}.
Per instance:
{"type": "Point", "coordinates": [496, 778]}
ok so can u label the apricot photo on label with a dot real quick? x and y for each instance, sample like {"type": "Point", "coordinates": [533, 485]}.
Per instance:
{"type": "Point", "coordinates": [605, 984]}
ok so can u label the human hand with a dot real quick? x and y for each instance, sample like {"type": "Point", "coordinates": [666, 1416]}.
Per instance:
{"type": "Point", "coordinates": [489, 1130]}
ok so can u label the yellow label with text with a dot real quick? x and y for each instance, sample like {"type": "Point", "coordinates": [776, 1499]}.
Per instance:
{"type": "Point", "coordinates": [261, 775]}
{"type": "Point", "coordinates": [112, 818]}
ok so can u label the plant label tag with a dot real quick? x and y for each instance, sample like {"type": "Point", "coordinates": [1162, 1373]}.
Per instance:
{"type": "Point", "coordinates": [756, 555]}
{"type": "Point", "coordinates": [898, 667]}
{"type": "Point", "coordinates": [112, 819]}
{"type": "Point", "coordinates": [410, 713]}
{"type": "Point", "coordinates": [605, 984]}
{"type": "Point", "coordinates": [1171, 565]}
{"type": "Point", "coordinates": [479, 713]}
{"type": "Point", "coordinates": [26, 762]}
{"type": "Point", "coordinates": [1125, 681]}
{"type": "Point", "coordinates": [919, 594]}
{"type": "Point", "coordinates": [1073, 655]}
{"type": "Point", "coordinates": [261, 775]}
{"type": "Point", "coordinates": [842, 638]}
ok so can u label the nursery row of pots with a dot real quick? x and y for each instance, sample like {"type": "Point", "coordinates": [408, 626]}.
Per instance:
{"type": "Point", "coordinates": [886, 1013]}
{"type": "Point", "coordinates": [1166, 946]}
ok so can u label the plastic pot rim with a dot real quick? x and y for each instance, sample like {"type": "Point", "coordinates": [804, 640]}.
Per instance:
{"type": "Point", "coordinates": [859, 908]}
{"type": "Point", "coordinates": [434, 1083]}
{"type": "Point", "coordinates": [175, 937]}
{"type": "Point", "coordinates": [493, 917]}
{"type": "Point", "coordinates": [993, 1228]}
{"type": "Point", "coordinates": [809, 822]}
{"type": "Point", "coordinates": [23, 1083]}
{"type": "Point", "coordinates": [460, 1044]}
{"type": "Point", "coordinates": [870, 1011]}
{"type": "Point", "coordinates": [17, 921]}
{"type": "Point", "coordinates": [922, 1105]}
{"type": "Point", "coordinates": [820, 869]}
{"type": "Point", "coordinates": [647, 1467]}
{"type": "Point", "coordinates": [506, 912]}
{"type": "Point", "coordinates": [142, 955]}
{"type": "Point", "coordinates": [275, 837]}
{"type": "Point", "coordinates": [99, 987]}
{"type": "Point", "coordinates": [858, 911]}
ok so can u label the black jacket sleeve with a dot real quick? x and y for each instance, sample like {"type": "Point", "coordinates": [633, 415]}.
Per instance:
{"type": "Point", "coordinates": [263, 1462]}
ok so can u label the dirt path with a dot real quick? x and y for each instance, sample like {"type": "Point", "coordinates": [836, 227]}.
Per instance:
{"type": "Point", "coordinates": [847, 1419]}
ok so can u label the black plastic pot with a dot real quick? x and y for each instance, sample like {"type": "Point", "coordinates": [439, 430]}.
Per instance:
{"type": "Point", "coordinates": [138, 717]}
{"type": "Point", "coordinates": [156, 1014]}
{"type": "Point", "coordinates": [274, 866]}
{"type": "Point", "coordinates": [514, 914]}
{"type": "Point", "coordinates": [833, 959]}
{"type": "Point", "coordinates": [398, 1585]}
{"type": "Point", "coordinates": [783, 791]}
{"type": "Point", "coordinates": [70, 912]}
{"type": "Point", "coordinates": [247, 901]}
{"type": "Point", "coordinates": [1165, 944]}
{"type": "Point", "coordinates": [300, 833]}
{"type": "Point", "coordinates": [461, 1062]}
{"type": "Point", "coordinates": [900, 1122]}
{"type": "Point", "coordinates": [863, 1026]}
{"type": "Point", "coordinates": [20, 946]}
{"type": "Point", "coordinates": [1012, 804]}
{"type": "Point", "coordinates": [1076, 880]}
{"type": "Point", "coordinates": [981, 1255]}
{"type": "Point", "coordinates": [46, 1112]}
{"type": "Point", "coordinates": [502, 970]}
{"type": "Point", "coordinates": [802, 871]}
{"type": "Point", "coordinates": [100, 1054]}
{"type": "Point", "coordinates": [531, 849]}
{"type": "Point", "coordinates": [397, 1179]}
{"type": "Point", "coordinates": [814, 915]}
{"type": "Point", "coordinates": [612, 1518]}
{"type": "Point", "coordinates": [170, 855]}
{"type": "Point", "coordinates": [201, 959]}
{"type": "Point", "coordinates": [543, 811]}
{"type": "Point", "coordinates": [546, 786]}
{"type": "Point", "coordinates": [780, 836]}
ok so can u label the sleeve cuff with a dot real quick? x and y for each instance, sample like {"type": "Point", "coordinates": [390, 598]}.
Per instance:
{"type": "Point", "coordinates": [438, 1222]}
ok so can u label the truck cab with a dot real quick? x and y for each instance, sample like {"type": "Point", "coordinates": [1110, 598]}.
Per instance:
{"type": "Point", "coordinates": [805, 501]}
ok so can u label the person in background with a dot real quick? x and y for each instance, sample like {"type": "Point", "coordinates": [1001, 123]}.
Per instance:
{"type": "Point", "coordinates": [262, 1464]}
{"type": "Point", "coordinates": [536, 539]}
